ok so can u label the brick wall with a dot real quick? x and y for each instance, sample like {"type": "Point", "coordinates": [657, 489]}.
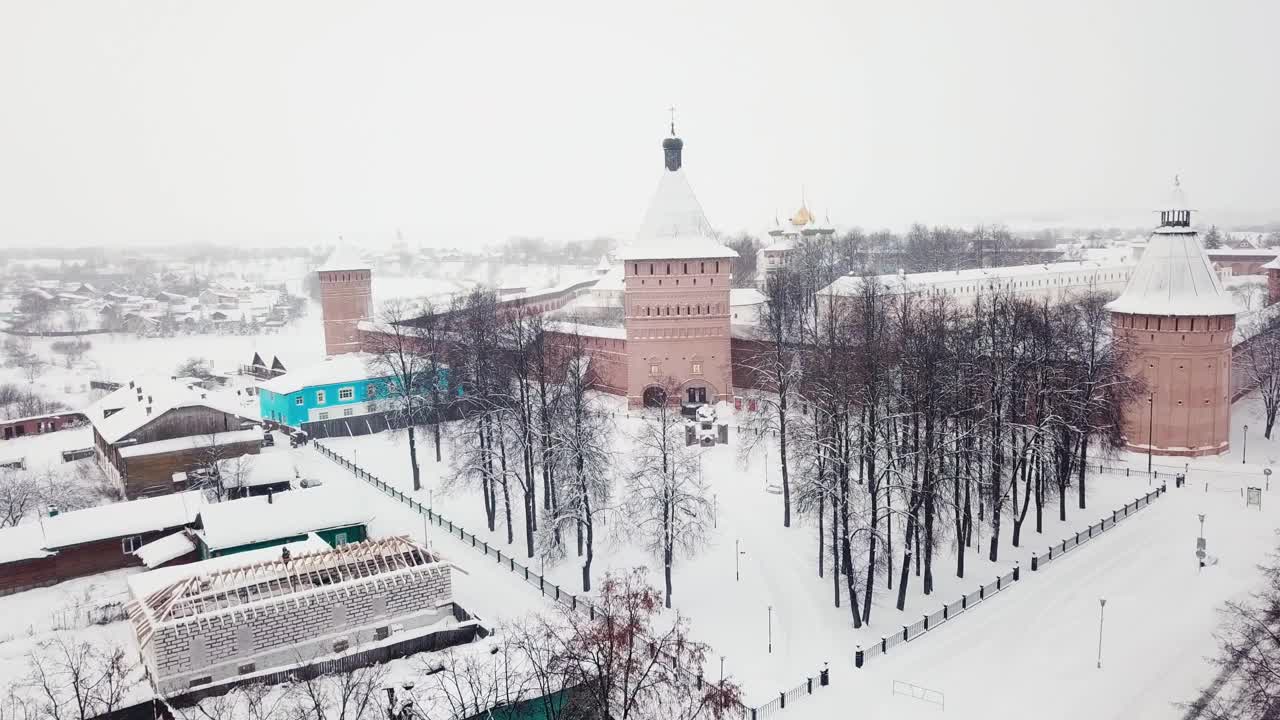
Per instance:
{"type": "Point", "coordinates": [283, 632]}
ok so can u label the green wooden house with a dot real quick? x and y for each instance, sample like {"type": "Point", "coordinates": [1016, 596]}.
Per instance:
{"type": "Point", "coordinates": [276, 519]}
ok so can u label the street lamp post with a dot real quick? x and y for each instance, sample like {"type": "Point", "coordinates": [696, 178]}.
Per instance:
{"type": "Point", "coordinates": [1244, 448]}
{"type": "Point", "coordinates": [737, 566]}
{"type": "Point", "coordinates": [1151, 417]}
{"type": "Point", "coordinates": [1102, 607]}
{"type": "Point", "coordinates": [722, 671]}
{"type": "Point", "coordinates": [770, 629]}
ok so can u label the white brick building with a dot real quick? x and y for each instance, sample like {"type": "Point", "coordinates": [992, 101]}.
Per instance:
{"type": "Point", "coordinates": [208, 628]}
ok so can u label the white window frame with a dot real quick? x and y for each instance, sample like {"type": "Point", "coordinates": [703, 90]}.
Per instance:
{"type": "Point", "coordinates": [347, 393]}
{"type": "Point", "coordinates": [322, 415]}
{"type": "Point", "coordinates": [697, 367]}
{"type": "Point", "coordinates": [320, 397]}
{"type": "Point", "coordinates": [299, 400]}
{"type": "Point", "coordinates": [348, 412]}
{"type": "Point", "coordinates": [130, 544]}
{"type": "Point", "coordinates": [654, 368]}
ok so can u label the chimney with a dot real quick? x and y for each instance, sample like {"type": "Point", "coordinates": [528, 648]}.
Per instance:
{"type": "Point", "coordinates": [130, 383]}
{"type": "Point", "coordinates": [270, 495]}
{"type": "Point", "coordinates": [148, 409]}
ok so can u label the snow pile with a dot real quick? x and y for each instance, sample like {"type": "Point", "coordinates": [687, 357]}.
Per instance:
{"type": "Point", "coordinates": [169, 547]}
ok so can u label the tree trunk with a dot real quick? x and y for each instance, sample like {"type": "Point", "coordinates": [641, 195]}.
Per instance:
{"type": "Point", "coordinates": [413, 461]}
{"type": "Point", "coordinates": [905, 577]}
{"type": "Point", "coordinates": [666, 572]}
{"type": "Point", "coordinates": [1084, 457]}
{"type": "Point", "coordinates": [586, 565]}
{"type": "Point", "coordinates": [435, 435]}
{"type": "Point", "coordinates": [822, 534]}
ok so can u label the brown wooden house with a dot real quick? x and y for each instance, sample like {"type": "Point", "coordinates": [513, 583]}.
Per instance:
{"type": "Point", "coordinates": [152, 429]}
{"type": "Point", "coordinates": [90, 541]}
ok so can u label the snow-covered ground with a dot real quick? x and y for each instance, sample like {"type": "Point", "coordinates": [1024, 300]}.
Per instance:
{"type": "Point", "coordinates": [778, 567]}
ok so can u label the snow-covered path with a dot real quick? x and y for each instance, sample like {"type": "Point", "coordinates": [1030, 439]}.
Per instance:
{"type": "Point", "coordinates": [1033, 650]}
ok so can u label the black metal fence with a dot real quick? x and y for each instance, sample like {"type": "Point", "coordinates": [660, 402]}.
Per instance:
{"type": "Point", "coordinates": [1000, 584]}
{"type": "Point", "coordinates": [535, 579]}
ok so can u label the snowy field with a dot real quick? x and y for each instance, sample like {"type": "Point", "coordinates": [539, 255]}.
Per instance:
{"type": "Point", "coordinates": [778, 570]}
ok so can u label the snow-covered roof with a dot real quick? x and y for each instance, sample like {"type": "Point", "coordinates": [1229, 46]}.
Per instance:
{"type": "Point", "coordinates": [343, 257]}
{"type": "Point", "coordinates": [1241, 252]}
{"type": "Point", "coordinates": [267, 468]}
{"type": "Point", "coordinates": [1174, 277]}
{"type": "Point", "coordinates": [121, 519]}
{"type": "Point", "coordinates": [612, 281]}
{"type": "Point", "coordinates": [674, 226]}
{"type": "Point", "coordinates": [851, 283]}
{"type": "Point", "coordinates": [145, 583]}
{"type": "Point", "coordinates": [126, 410]}
{"type": "Point", "coordinates": [1273, 265]}
{"type": "Point", "coordinates": [191, 442]}
{"type": "Point", "coordinates": [169, 547]}
{"type": "Point", "coordinates": [296, 512]}
{"type": "Point", "coordinates": [745, 296]}
{"type": "Point", "coordinates": [22, 542]}
{"type": "Point", "coordinates": [600, 331]}
{"type": "Point", "coordinates": [344, 368]}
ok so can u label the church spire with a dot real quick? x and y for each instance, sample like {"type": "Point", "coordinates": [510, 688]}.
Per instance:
{"type": "Point", "coordinates": [1177, 214]}
{"type": "Point", "coordinates": [672, 146]}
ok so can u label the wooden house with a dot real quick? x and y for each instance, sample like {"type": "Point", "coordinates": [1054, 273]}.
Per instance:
{"type": "Point", "coordinates": [89, 541]}
{"type": "Point", "coordinates": [152, 428]}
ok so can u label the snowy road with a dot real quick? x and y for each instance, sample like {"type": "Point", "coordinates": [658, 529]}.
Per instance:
{"type": "Point", "coordinates": [1033, 650]}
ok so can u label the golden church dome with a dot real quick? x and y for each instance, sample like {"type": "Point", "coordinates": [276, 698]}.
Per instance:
{"type": "Point", "coordinates": [802, 217]}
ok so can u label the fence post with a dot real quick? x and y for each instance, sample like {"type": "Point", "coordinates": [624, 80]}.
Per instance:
{"type": "Point", "coordinates": [884, 644]}
{"type": "Point", "coordinates": [783, 695]}
{"type": "Point", "coordinates": [945, 615]}
{"type": "Point", "coordinates": [857, 661]}
{"type": "Point", "coordinates": [926, 622]}
{"type": "Point", "coordinates": [1035, 562]}
{"type": "Point", "coordinates": [904, 633]}
{"type": "Point", "coordinates": [998, 581]}
{"type": "Point", "coordinates": [982, 592]}
{"type": "Point", "coordinates": [1017, 569]}
{"type": "Point", "coordinates": [810, 681]}
{"type": "Point", "coordinates": [964, 602]}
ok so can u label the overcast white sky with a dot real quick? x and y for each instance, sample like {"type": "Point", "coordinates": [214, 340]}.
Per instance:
{"type": "Point", "coordinates": [465, 122]}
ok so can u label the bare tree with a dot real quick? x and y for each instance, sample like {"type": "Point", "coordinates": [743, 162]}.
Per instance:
{"type": "Point", "coordinates": [582, 437]}
{"type": "Point", "coordinates": [1262, 368]}
{"type": "Point", "coordinates": [1248, 654]}
{"type": "Point", "coordinates": [71, 679]}
{"type": "Point", "coordinates": [628, 664]}
{"type": "Point", "coordinates": [396, 357]}
{"type": "Point", "coordinates": [666, 500]}
{"type": "Point", "coordinates": [19, 495]}
{"type": "Point", "coordinates": [350, 695]}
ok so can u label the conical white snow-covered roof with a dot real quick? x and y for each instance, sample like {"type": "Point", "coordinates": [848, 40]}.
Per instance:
{"type": "Point", "coordinates": [675, 226]}
{"type": "Point", "coordinates": [343, 257]}
{"type": "Point", "coordinates": [1174, 275]}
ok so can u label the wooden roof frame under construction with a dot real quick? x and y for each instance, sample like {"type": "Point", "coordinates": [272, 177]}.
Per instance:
{"type": "Point", "coordinates": [242, 591]}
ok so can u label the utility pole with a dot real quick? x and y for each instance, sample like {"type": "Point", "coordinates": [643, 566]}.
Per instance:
{"type": "Point", "coordinates": [737, 569]}
{"type": "Point", "coordinates": [1102, 607]}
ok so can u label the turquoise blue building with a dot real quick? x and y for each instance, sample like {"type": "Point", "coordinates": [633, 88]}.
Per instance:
{"type": "Point", "coordinates": [336, 387]}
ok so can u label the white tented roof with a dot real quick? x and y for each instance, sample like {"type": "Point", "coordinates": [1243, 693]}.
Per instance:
{"type": "Point", "coordinates": [169, 547]}
{"type": "Point", "coordinates": [270, 517]}
{"type": "Point", "coordinates": [344, 368]}
{"type": "Point", "coordinates": [675, 226]}
{"type": "Point", "coordinates": [1174, 277]}
{"type": "Point", "coordinates": [343, 257]}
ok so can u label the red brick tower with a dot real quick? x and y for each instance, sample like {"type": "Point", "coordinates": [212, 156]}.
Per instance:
{"type": "Point", "coordinates": [676, 299]}
{"type": "Point", "coordinates": [346, 298]}
{"type": "Point", "coordinates": [1179, 323]}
